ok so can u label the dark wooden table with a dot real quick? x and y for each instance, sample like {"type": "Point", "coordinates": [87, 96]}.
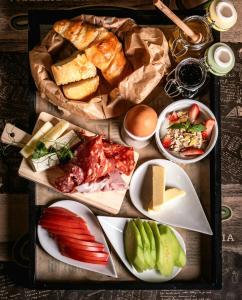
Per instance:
{"type": "Point", "coordinates": [14, 99]}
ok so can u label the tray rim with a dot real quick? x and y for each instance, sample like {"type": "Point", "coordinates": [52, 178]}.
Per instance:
{"type": "Point", "coordinates": [48, 16]}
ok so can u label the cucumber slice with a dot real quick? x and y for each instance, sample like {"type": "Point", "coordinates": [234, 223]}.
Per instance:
{"type": "Point", "coordinates": [134, 247]}
{"type": "Point", "coordinates": [146, 243]}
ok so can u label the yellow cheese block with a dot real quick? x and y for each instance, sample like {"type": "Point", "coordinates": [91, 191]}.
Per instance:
{"type": "Point", "coordinates": [158, 178]}
{"type": "Point", "coordinates": [51, 136]}
{"type": "Point", "coordinates": [170, 194]}
{"type": "Point", "coordinates": [174, 194]}
{"type": "Point", "coordinates": [30, 146]}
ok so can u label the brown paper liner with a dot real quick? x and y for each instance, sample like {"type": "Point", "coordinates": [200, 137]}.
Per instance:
{"type": "Point", "coordinates": [146, 49]}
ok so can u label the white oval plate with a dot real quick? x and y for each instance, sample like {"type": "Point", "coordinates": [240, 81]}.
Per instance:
{"type": "Point", "coordinates": [113, 228]}
{"type": "Point", "coordinates": [50, 246]}
{"type": "Point", "coordinates": [186, 212]}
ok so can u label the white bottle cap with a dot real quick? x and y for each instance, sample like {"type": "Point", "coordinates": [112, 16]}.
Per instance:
{"type": "Point", "coordinates": [227, 13]}
{"type": "Point", "coordinates": [223, 56]}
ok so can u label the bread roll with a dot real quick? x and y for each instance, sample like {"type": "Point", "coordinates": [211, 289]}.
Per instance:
{"type": "Point", "coordinates": [117, 70]}
{"type": "Point", "coordinates": [103, 48]}
{"type": "Point", "coordinates": [102, 52]}
{"type": "Point", "coordinates": [81, 35]}
{"type": "Point", "coordinates": [74, 68]}
{"type": "Point", "coordinates": [81, 89]}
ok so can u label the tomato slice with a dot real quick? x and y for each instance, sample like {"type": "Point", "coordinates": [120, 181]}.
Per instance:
{"type": "Point", "coordinates": [83, 259]}
{"type": "Point", "coordinates": [80, 236]}
{"type": "Point", "coordinates": [54, 215]}
{"type": "Point", "coordinates": [67, 240]}
{"type": "Point", "coordinates": [63, 222]}
{"type": "Point", "coordinates": [97, 256]}
{"type": "Point", "coordinates": [50, 226]}
{"type": "Point", "coordinates": [78, 247]}
{"type": "Point", "coordinates": [59, 210]}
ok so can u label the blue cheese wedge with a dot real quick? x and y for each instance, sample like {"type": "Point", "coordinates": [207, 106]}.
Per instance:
{"type": "Point", "coordinates": [50, 160]}
{"type": "Point", "coordinates": [45, 162]}
{"type": "Point", "coordinates": [158, 178]}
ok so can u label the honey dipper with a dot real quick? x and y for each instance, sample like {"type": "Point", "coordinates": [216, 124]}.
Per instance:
{"type": "Point", "coordinates": [193, 36]}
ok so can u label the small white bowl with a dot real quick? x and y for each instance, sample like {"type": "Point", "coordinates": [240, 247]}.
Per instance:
{"type": "Point", "coordinates": [163, 124]}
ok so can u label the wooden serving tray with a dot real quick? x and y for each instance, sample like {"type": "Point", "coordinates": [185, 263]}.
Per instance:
{"type": "Point", "coordinates": [109, 201]}
{"type": "Point", "coordinates": [204, 269]}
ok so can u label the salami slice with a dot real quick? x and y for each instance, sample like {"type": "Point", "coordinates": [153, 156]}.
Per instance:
{"type": "Point", "coordinates": [123, 156]}
{"type": "Point", "coordinates": [73, 177]}
{"type": "Point", "coordinates": [91, 158]}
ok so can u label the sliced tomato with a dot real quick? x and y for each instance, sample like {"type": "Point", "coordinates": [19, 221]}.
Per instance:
{"type": "Point", "coordinates": [79, 247]}
{"type": "Point", "coordinates": [53, 226]}
{"type": "Point", "coordinates": [166, 142]}
{"type": "Point", "coordinates": [209, 124]}
{"type": "Point", "coordinates": [78, 236]}
{"type": "Point", "coordinates": [67, 240]}
{"type": "Point", "coordinates": [173, 117]}
{"type": "Point", "coordinates": [83, 259]}
{"type": "Point", "coordinates": [60, 211]}
{"type": "Point", "coordinates": [56, 214]}
{"type": "Point", "coordinates": [64, 222]}
{"type": "Point", "coordinates": [97, 256]}
{"type": "Point", "coordinates": [192, 151]}
{"type": "Point", "coordinates": [193, 113]}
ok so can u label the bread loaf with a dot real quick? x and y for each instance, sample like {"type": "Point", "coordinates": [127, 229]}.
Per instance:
{"type": "Point", "coordinates": [102, 52]}
{"type": "Point", "coordinates": [81, 89]}
{"type": "Point", "coordinates": [117, 70]}
{"type": "Point", "coordinates": [74, 68]}
{"type": "Point", "coordinates": [102, 47]}
{"type": "Point", "coordinates": [81, 35]}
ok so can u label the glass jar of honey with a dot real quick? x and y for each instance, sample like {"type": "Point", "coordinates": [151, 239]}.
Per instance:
{"type": "Point", "coordinates": [182, 47]}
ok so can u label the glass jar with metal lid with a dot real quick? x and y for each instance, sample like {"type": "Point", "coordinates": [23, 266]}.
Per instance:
{"type": "Point", "coordinates": [186, 79]}
{"type": "Point", "coordinates": [190, 74]}
{"type": "Point", "coordinates": [180, 45]}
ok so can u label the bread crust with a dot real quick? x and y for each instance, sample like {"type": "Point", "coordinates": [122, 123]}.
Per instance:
{"type": "Point", "coordinates": [82, 89]}
{"type": "Point", "coordinates": [79, 34]}
{"type": "Point", "coordinates": [74, 68]}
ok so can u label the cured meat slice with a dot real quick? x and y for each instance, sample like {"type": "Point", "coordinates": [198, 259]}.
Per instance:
{"type": "Point", "coordinates": [115, 182]}
{"type": "Point", "coordinates": [123, 156]}
{"type": "Point", "coordinates": [70, 180]}
{"type": "Point", "coordinates": [91, 158]}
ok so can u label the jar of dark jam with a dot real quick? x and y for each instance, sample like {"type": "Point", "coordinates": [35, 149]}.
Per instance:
{"type": "Point", "coordinates": [182, 47]}
{"type": "Point", "coordinates": [186, 79]}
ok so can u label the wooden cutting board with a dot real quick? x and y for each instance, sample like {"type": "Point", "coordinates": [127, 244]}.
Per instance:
{"type": "Point", "coordinates": [109, 201]}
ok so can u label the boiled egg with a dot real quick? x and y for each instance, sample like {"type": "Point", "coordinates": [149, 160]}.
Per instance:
{"type": "Point", "coordinates": [141, 120]}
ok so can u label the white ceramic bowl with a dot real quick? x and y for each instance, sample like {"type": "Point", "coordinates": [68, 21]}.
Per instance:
{"type": "Point", "coordinates": [163, 124]}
